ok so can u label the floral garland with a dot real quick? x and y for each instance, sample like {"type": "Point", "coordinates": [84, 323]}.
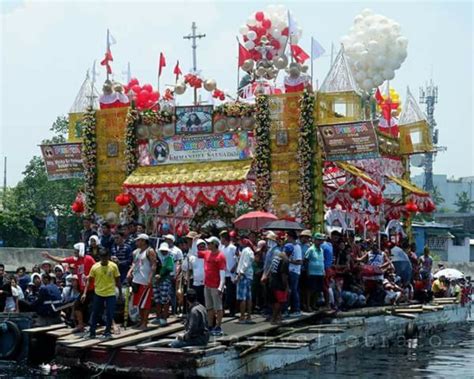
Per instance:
{"type": "Point", "coordinates": [305, 157]}
{"type": "Point", "coordinates": [262, 154]}
{"type": "Point", "coordinates": [236, 109]}
{"type": "Point", "coordinates": [222, 212]}
{"type": "Point", "coordinates": [131, 154]}
{"type": "Point", "coordinates": [162, 117]}
{"type": "Point", "coordinates": [89, 159]}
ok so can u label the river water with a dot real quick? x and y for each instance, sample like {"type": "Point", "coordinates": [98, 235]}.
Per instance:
{"type": "Point", "coordinates": [449, 354]}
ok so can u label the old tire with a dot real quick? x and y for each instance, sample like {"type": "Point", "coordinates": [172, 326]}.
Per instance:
{"type": "Point", "coordinates": [10, 340]}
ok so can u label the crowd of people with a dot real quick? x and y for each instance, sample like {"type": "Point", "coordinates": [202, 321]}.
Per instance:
{"type": "Point", "coordinates": [203, 274]}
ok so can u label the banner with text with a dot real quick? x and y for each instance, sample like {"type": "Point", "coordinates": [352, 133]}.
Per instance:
{"type": "Point", "coordinates": [63, 160]}
{"type": "Point", "coordinates": [204, 148]}
{"type": "Point", "coordinates": [349, 141]}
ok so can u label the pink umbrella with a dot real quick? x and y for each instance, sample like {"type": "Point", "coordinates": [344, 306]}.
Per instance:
{"type": "Point", "coordinates": [254, 220]}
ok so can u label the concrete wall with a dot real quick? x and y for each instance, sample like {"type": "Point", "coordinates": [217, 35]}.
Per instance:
{"type": "Point", "coordinates": [459, 253]}
{"type": "Point", "coordinates": [13, 257]}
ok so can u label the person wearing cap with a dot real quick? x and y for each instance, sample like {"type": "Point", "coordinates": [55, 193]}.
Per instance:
{"type": "Point", "coordinates": [196, 331]}
{"type": "Point", "coordinates": [59, 275]}
{"type": "Point", "coordinates": [244, 280]}
{"type": "Point", "coordinates": [80, 265]}
{"type": "Point", "coordinates": [279, 272]}
{"type": "Point", "coordinates": [214, 282]}
{"type": "Point", "coordinates": [229, 250]}
{"type": "Point", "coordinates": [121, 254]}
{"type": "Point", "coordinates": [46, 267]}
{"type": "Point", "coordinates": [48, 294]}
{"type": "Point", "coordinates": [141, 275]}
{"type": "Point", "coordinates": [72, 292]}
{"type": "Point", "coordinates": [106, 276]}
{"type": "Point", "coordinates": [273, 249]}
{"type": "Point", "coordinates": [193, 266]}
{"type": "Point", "coordinates": [162, 288]}
{"type": "Point", "coordinates": [314, 259]}
{"type": "Point", "coordinates": [94, 248]}
{"type": "Point", "coordinates": [296, 261]}
{"type": "Point", "coordinates": [177, 255]}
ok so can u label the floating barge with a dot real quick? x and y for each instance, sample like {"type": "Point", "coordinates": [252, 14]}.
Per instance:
{"type": "Point", "coordinates": [250, 349]}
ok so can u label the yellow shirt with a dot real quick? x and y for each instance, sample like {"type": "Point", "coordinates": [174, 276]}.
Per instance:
{"type": "Point", "coordinates": [104, 278]}
{"type": "Point", "coordinates": [438, 286]}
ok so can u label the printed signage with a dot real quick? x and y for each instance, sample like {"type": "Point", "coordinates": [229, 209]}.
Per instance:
{"type": "Point", "coordinates": [63, 160]}
{"type": "Point", "coordinates": [349, 141]}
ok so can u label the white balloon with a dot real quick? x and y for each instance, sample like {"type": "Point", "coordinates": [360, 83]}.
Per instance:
{"type": "Point", "coordinates": [378, 79]}
{"type": "Point", "coordinates": [276, 33]}
{"type": "Point", "coordinates": [251, 35]}
{"type": "Point", "coordinates": [367, 84]}
{"type": "Point", "coordinates": [360, 76]}
{"type": "Point", "coordinates": [388, 74]}
{"type": "Point", "coordinates": [358, 47]}
{"type": "Point", "coordinates": [367, 12]}
{"type": "Point", "coordinates": [380, 61]}
{"type": "Point", "coordinates": [251, 21]}
{"type": "Point", "coordinates": [358, 19]}
{"type": "Point", "coordinates": [402, 42]}
{"type": "Point", "coordinates": [249, 45]}
{"type": "Point", "coordinates": [373, 45]}
{"type": "Point", "coordinates": [243, 29]}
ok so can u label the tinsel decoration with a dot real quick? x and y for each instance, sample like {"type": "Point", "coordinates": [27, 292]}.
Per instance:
{"type": "Point", "coordinates": [89, 159]}
{"type": "Point", "coordinates": [262, 154]}
{"type": "Point", "coordinates": [236, 109]}
{"type": "Point", "coordinates": [305, 157]}
{"type": "Point", "coordinates": [131, 154]}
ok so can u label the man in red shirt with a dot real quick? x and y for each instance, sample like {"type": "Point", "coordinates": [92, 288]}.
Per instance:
{"type": "Point", "coordinates": [80, 265]}
{"type": "Point", "coordinates": [214, 281]}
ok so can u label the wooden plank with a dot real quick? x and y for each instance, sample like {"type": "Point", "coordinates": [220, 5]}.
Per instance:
{"type": "Point", "coordinates": [43, 329]}
{"type": "Point", "coordinates": [162, 342]}
{"type": "Point", "coordinates": [302, 337]}
{"type": "Point", "coordinates": [273, 345]}
{"type": "Point", "coordinates": [326, 330]}
{"type": "Point", "coordinates": [408, 310]}
{"type": "Point", "coordinates": [405, 315]}
{"type": "Point", "coordinates": [132, 339]}
{"type": "Point", "coordinates": [60, 332]}
{"type": "Point", "coordinates": [87, 343]}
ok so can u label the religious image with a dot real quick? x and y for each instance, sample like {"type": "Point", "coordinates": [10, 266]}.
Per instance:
{"type": "Point", "coordinates": [194, 120]}
{"type": "Point", "coordinates": [160, 151]}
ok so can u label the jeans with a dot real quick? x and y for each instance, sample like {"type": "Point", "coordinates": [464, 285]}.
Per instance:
{"type": "Point", "coordinates": [294, 282]}
{"type": "Point", "coordinates": [98, 310]}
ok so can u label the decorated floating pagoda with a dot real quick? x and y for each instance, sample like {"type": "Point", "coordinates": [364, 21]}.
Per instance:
{"type": "Point", "coordinates": [327, 156]}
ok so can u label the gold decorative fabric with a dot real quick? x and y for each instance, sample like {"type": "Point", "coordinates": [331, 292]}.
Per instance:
{"type": "Point", "coordinates": [409, 186]}
{"type": "Point", "coordinates": [188, 173]}
{"type": "Point", "coordinates": [355, 171]}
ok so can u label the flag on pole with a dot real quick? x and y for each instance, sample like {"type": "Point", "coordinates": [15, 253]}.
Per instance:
{"type": "Point", "coordinates": [299, 54]}
{"type": "Point", "coordinates": [177, 70]}
{"type": "Point", "coordinates": [112, 40]}
{"type": "Point", "coordinates": [316, 49]}
{"type": "Point", "coordinates": [378, 96]}
{"type": "Point", "coordinates": [106, 61]}
{"type": "Point", "coordinates": [161, 64]}
{"type": "Point", "coordinates": [244, 54]}
{"type": "Point", "coordinates": [292, 26]}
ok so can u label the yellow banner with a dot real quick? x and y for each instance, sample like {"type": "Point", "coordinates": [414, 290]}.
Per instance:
{"type": "Point", "coordinates": [75, 127]}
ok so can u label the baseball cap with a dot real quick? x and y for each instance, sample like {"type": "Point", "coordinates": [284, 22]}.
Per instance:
{"type": "Point", "coordinates": [288, 248]}
{"type": "Point", "coordinates": [142, 236]}
{"type": "Point", "coordinates": [192, 235]}
{"type": "Point", "coordinates": [169, 237]}
{"type": "Point", "coordinates": [164, 247]}
{"type": "Point", "coordinates": [261, 245]}
{"type": "Point", "coordinates": [214, 240]}
{"type": "Point", "coordinates": [200, 242]}
{"type": "Point", "coordinates": [319, 236]}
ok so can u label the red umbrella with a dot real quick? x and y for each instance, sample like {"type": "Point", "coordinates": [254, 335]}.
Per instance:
{"type": "Point", "coordinates": [254, 220]}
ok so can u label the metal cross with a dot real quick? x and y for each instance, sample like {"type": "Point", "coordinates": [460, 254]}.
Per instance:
{"type": "Point", "coordinates": [193, 36]}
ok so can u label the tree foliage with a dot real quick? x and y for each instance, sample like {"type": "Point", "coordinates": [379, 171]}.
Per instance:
{"type": "Point", "coordinates": [464, 202]}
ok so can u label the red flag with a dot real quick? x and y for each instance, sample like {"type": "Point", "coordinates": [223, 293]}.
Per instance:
{"type": "Point", "coordinates": [378, 97]}
{"type": "Point", "coordinates": [299, 54]}
{"type": "Point", "coordinates": [244, 54]}
{"type": "Point", "coordinates": [105, 62]}
{"type": "Point", "coordinates": [162, 64]}
{"type": "Point", "coordinates": [177, 70]}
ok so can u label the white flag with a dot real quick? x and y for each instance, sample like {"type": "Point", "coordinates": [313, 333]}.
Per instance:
{"type": "Point", "coordinates": [292, 26]}
{"type": "Point", "coordinates": [112, 40]}
{"type": "Point", "coordinates": [316, 49]}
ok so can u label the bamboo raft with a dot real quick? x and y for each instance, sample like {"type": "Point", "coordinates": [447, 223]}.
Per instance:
{"type": "Point", "coordinates": [244, 349]}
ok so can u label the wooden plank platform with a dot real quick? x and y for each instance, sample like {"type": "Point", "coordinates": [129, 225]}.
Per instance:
{"type": "Point", "coordinates": [302, 337]}
{"type": "Point", "coordinates": [132, 339]}
{"type": "Point", "coordinates": [87, 343]}
{"type": "Point", "coordinates": [273, 345]}
{"type": "Point", "coordinates": [43, 329]}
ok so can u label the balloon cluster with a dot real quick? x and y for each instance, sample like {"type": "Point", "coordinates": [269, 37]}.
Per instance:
{"type": "Point", "coordinates": [194, 81]}
{"type": "Point", "coordinates": [269, 25]}
{"type": "Point", "coordinates": [375, 49]}
{"type": "Point", "coordinates": [145, 96]}
{"type": "Point", "coordinates": [77, 206]}
{"type": "Point", "coordinates": [218, 94]}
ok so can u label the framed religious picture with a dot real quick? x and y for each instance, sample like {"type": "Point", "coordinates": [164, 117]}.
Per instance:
{"type": "Point", "coordinates": [160, 152]}
{"type": "Point", "coordinates": [282, 137]}
{"type": "Point", "coordinates": [194, 120]}
{"type": "Point", "coordinates": [112, 149]}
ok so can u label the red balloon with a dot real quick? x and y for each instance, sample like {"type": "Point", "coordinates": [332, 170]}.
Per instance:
{"type": "Point", "coordinates": [155, 96]}
{"type": "Point", "coordinates": [411, 207]}
{"type": "Point", "coordinates": [222, 97]}
{"type": "Point", "coordinates": [148, 87]}
{"type": "Point", "coordinates": [144, 94]}
{"type": "Point", "coordinates": [259, 16]}
{"type": "Point", "coordinates": [375, 200]}
{"type": "Point", "coordinates": [136, 88]}
{"type": "Point", "coordinates": [77, 207]}
{"type": "Point", "coordinates": [356, 193]}
{"type": "Point", "coordinates": [267, 24]}
{"type": "Point", "coordinates": [123, 199]}
{"type": "Point", "coordinates": [132, 82]}
{"type": "Point", "coordinates": [285, 32]}
{"type": "Point", "coordinates": [276, 44]}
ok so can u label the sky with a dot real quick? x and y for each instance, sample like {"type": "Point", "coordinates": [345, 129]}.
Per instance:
{"type": "Point", "coordinates": [47, 47]}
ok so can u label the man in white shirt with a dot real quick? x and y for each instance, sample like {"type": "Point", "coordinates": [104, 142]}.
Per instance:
{"type": "Point", "coordinates": [296, 261]}
{"type": "Point", "coordinates": [229, 250]}
{"type": "Point", "coordinates": [196, 265]}
{"type": "Point", "coordinates": [177, 256]}
{"type": "Point", "coordinates": [244, 280]}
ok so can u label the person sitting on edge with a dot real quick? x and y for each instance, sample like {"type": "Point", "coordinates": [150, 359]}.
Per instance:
{"type": "Point", "coordinates": [106, 277]}
{"type": "Point", "coordinates": [162, 288]}
{"type": "Point", "coordinates": [196, 326]}
{"type": "Point", "coordinates": [214, 281]}
{"type": "Point", "coordinates": [141, 275]}
{"type": "Point", "coordinates": [48, 294]}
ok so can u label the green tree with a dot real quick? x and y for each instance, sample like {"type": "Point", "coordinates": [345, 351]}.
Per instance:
{"type": "Point", "coordinates": [437, 197]}
{"type": "Point", "coordinates": [464, 202]}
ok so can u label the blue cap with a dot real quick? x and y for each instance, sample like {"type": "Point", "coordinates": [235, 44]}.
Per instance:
{"type": "Point", "coordinates": [288, 248]}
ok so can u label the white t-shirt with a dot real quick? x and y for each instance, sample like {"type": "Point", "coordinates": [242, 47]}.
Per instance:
{"type": "Point", "coordinates": [296, 256]}
{"type": "Point", "coordinates": [197, 265]}
{"type": "Point", "coordinates": [10, 302]}
{"type": "Point", "coordinates": [244, 266]}
{"type": "Point", "coordinates": [229, 253]}
{"type": "Point", "coordinates": [177, 255]}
